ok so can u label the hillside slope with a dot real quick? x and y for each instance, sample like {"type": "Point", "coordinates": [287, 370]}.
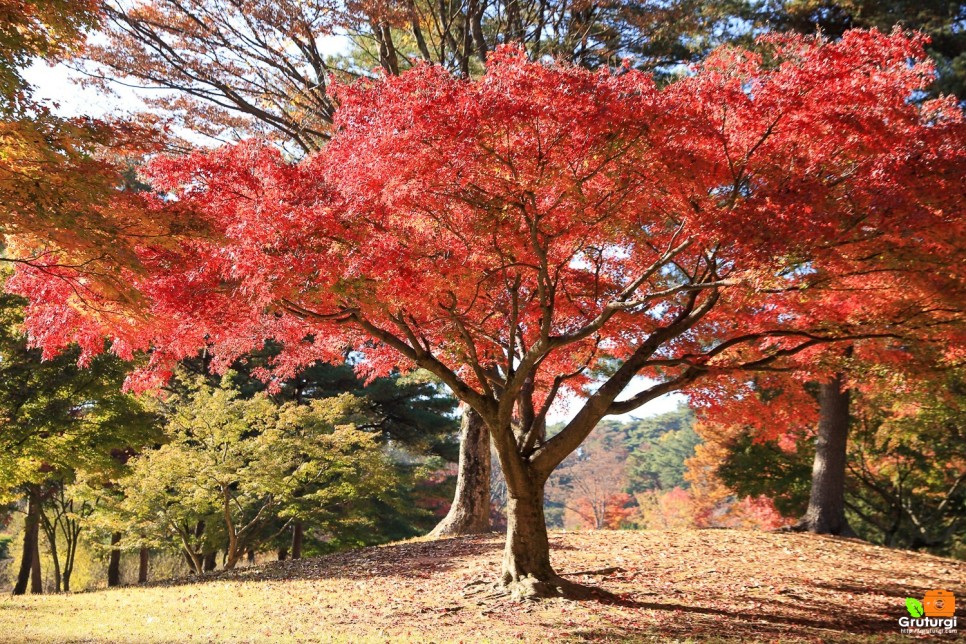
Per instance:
{"type": "Point", "coordinates": [677, 585]}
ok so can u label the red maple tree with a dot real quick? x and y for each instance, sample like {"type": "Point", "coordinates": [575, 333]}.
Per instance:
{"type": "Point", "coordinates": [547, 229]}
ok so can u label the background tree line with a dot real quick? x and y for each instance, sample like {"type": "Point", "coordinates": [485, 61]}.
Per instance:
{"type": "Point", "coordinates": [905, 484]}
{"type": "Point", "coordinates": [212, 467]}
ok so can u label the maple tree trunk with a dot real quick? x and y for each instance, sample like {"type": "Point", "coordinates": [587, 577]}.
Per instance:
{"type": "Point", "coordinates": [194, 562]}
{"type": "Point", "coordinates": [231, 560]}
{"type": "Point", "coordinates": [56, 564]}
{"type": "Point", "coordinates": [232, 553]}
{"type": "Point", "coordinates": [73, 541]}
{"type": "Point", "coordinates": [190, 554]}
{"type": "Point", "coordinates": [50, 531]}
{"type": "Point", "coordinates": [526, 557]}
{"type": "Point", "coordinates": [114, 564]}
{"type": "Point", "coordinates": [31, 536]}
{"type": "Point", "coordinates": [143, 565]}
{"type": "Point", "coordinates": [826, 504]}
{"type": "Point", "coordinates": [470, 512]}
{"type": "Point", "coordinates": [526, 571]}
{"type": "Point", "coordinates": [297, 535]}
{"type": "Point", "coordinates": [189, 559]}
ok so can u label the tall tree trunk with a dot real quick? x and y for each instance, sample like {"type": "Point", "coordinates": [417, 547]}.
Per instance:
{"type": "Point", "coordinates": [114, 563]}
{"type": "Point", "coordinates": [143, 565]}
{"type": "Point", "coordinates": [232, 553]}
{"type": "Point", "coordinates": [470, 512]}
{"type": "Point", "coordinates": [826, 504]}
{"type": "Point", "coordinates": [36, 580]}
{"type": "Point", "coordinates": [297, 537]}
{"type": "Point", "coordinates": [31, 535]}
{"type": "Point", "coordinates": [58, 584]}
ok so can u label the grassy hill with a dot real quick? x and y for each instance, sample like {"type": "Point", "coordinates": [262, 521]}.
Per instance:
{"type": "Point", "coordinates": [719, 585]}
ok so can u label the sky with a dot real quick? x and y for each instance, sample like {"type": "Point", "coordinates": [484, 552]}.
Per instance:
{"type": "Point", "coordinates": [58, 84]}
{"type": "Point", "coordinates": [664, 404]}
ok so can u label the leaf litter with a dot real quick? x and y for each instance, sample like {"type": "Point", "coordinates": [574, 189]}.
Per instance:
{"type": "Point", "coordinates": [689, 585]}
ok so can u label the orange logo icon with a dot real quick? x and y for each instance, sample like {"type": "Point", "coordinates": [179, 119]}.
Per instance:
{"type": "Point", "coordinates": [939, 603]}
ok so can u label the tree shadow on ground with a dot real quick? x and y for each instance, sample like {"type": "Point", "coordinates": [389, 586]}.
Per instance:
{"type": "Point", "coordinates": [811, 615]}
{"type": "Point", "coordinates": [910, 589]}
{"type": "Point", "coordinates": [414, 559]}
{"type": "Point", "coordinates": [769, 623]}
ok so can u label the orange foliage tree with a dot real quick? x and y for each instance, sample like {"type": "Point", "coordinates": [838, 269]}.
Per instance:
{"type": "Point", "coordinates": [67, 201]}
{"type": "Point", "coordinates": [590, 483]}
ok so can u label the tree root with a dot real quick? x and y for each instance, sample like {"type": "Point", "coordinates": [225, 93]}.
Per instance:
{"type": "Point", "coordinates": [805, 526]}
{"type": "Point", "coordinates": [531, 589]}
{"type": "Point", "coordinates": [602, 572]}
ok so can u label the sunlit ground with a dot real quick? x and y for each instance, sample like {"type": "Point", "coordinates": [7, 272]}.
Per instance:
{"type": "Point", "coordinates": [718, 585]}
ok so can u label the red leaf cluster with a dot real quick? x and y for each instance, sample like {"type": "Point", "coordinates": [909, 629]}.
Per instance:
{"type": "Point", "coordinates": [550, 219]}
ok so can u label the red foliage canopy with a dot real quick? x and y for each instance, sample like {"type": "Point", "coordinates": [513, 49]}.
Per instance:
{"type": "Point", "coordinates": [548, 228]}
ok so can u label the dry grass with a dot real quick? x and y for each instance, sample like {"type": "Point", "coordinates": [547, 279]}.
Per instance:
{"type": "Point", "coordinates": [717, 585]}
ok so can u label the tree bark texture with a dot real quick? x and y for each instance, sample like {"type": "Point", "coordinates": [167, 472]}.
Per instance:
{"type": "Point", "coordinates": [114, 563]}
{"type": "Point", "coordinates": [526, 556]}
{"type": "Point", "coordinates": [31, 536]}
{"type": "Point", "coordinates": [297, 536]}
{"type": "Point", "coordinates": [50, 531]}
{"type": "Point", "coordinates": [826, 504]}
{"type": "Point", "coordinates": [143, 557]}
{"type": "Point", "coordinates": [72, 537]}
{"type": "Point", "coordinates": [36, 578]}
{"type": "Point", "coordinates": [470, 512]}
{"type": "Point", "coordinates": [526, 570]}
{"type": "Point", "coordinates": [191, 554]}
